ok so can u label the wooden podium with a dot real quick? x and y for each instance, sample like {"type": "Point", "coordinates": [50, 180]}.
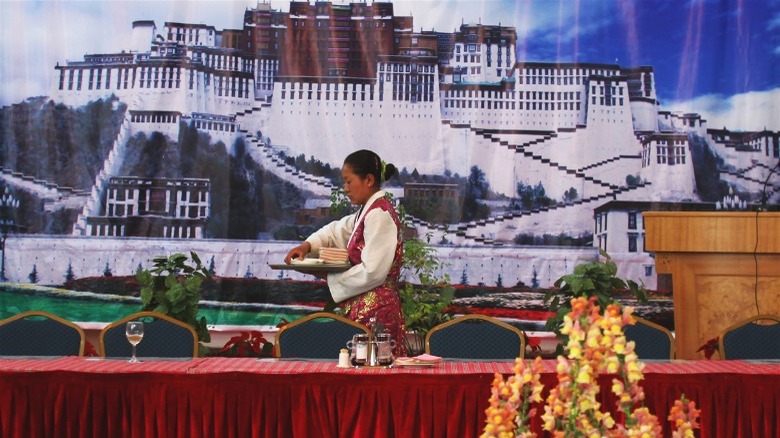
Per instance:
{"type": "Point", "coordinates": [725, 267]}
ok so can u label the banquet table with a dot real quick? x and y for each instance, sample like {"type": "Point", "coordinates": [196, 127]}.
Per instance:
{"type": "Point", "coordinates": [242, 397]}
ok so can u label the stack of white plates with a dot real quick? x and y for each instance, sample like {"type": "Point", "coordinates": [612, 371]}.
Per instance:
{"type": "Point", "coordinates": [333, 255]}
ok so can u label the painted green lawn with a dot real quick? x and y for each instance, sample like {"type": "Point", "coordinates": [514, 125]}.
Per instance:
{"type": "Point", "coordinates": [75, 306]}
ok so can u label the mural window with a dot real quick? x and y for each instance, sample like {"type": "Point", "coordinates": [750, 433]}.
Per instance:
{"type": "Point", "coordinates": [157, 201]}
{"type": "Point", "coordinates": [632, 220]}
{"type": "Point", "coordinates": [632, 240]}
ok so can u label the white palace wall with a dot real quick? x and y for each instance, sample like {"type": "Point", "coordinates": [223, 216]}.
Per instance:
{"type": "Point", "coordinates": [407, 133]}
{"type": "Point", "coordinates": [88, 257]}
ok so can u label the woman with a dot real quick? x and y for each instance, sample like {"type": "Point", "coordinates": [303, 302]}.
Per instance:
{"type": "Point", "coordinates": [374, 243]}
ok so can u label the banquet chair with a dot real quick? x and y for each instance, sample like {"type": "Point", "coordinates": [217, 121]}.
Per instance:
{"type": "Point", "coordinates": [39, 333]}
{"type": "Point", "coordinates": [748, 339]}
{"type": "Point", "coordinates": [651, 341]}
{"type": "Point", "coordinates": [164, 336]}
{"type": "Point", "coordinates": [475, 337]}
{"type": "Point", "coordinates": [320, 335]}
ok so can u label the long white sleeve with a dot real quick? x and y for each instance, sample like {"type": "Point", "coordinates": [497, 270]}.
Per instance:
{"type": "Point", "coordinates": [333, 235]}
{"type": "Point", "coordinates": [381, 238]}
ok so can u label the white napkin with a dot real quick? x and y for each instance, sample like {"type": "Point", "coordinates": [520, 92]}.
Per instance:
{"type": "Point", "coordinates": [308, 261]}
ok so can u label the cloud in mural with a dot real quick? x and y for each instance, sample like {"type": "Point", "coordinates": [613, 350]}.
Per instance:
{"type": "Point", "coordinates": [754, 111]}
{"type": "Point", "coordinates": [686, 43]}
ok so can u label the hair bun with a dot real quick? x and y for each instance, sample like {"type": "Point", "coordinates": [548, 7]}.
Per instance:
{"type": "Point", "coordinates": [390, 171]}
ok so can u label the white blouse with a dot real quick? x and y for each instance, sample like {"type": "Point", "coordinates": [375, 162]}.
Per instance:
{"type": "Point", "coordinates": [381, 237]}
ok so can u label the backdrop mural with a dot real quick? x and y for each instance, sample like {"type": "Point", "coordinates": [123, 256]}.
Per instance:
{"type": "Point", "coordinates": [529, 134]}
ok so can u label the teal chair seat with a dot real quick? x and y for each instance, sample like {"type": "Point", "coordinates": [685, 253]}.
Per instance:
{"type": "Point", "coordinates": [38, 333]}
{"type": "Point", "coordinates": [476, 337]}
{"type": "Point", "coordinates": [164, 337]}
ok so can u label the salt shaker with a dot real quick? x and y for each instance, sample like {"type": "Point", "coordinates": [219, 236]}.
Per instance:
{"type": "Point", "coordinates": [344, 358]}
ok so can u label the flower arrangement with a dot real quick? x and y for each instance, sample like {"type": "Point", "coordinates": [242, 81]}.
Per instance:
{"type": "Point", "coordinates": [596, 345]}
{"type": "Point", "coordinates": [709, 348]}
{"type": "Point", "coordinates": [247, 344]}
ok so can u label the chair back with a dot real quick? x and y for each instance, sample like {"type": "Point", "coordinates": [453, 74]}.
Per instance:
{"type": "Point", "coordinates": [164, 336]}
{"type": "Point", "coordinates": [320, 335]}
{"type": "Point", "coordinates": [651, 341]}
{"type": "Point", "coordinates": [475, 337]}
{"type": "Point", "coordinates": [39, 333]}
{"type": "Point", "coordinates": [748, 339]}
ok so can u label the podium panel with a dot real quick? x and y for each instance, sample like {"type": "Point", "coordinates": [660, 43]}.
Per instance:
{"type": "Point", "coordinates": [725, 267]}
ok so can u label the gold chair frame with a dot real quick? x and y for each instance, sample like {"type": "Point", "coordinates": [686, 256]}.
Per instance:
{"type": "Point", "coordinates": [143, 314]}
{"type": "Point", "coordinates": [640, 320]}
{"type": "Point", "coordinates": [469, 317]}
{"type": "Point", "coordinates": [752, 319]}
{"type": "Point", "coordinates": [52, 317]}
{"type": "Point", "coordinates": [307, 318]}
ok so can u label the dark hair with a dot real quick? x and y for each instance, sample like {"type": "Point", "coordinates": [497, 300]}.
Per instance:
{"type": "Point", "coordinates": [365, 162]}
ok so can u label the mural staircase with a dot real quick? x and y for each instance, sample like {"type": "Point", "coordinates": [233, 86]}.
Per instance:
{"type": "Point", "coordinates": [476, 232]}
{"type": "Point", "coordinates": [265, 155]}
{"type": "Point", "coordinates": [53, 195]}
{"type": "Point", "coordinates": [111, 166]}
{"type": "Point", "coordinates": [754, 183]}
{"type": "Point", "coordinates": [470, 233]}
{"type": "Point", "coordinates": [610, 160]}
{"type": "Point", "coordinates": [521, 149]}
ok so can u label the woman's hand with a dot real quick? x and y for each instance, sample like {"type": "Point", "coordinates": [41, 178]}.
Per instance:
{"type": "Point", "coordinates": [298, 252]}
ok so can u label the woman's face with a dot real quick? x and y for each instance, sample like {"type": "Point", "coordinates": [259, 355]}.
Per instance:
{"type": "Point", "coordinates": [357, 189]}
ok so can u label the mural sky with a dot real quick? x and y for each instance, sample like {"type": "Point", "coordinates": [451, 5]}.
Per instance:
{"type": "Point", "coordinates": [714, 57]}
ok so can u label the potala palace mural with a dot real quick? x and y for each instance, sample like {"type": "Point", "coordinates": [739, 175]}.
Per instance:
{"type": "Point", "coordinates": [225, 141]}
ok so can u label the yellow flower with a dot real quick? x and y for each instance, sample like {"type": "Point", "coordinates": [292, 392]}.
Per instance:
{"type": "Point", "coordinates": [586, 404]}
{"type": "Point", "coordinates": [584, 377]}
{"type": "Point", "coordinates": [596, 345]}
{"type": "Point", "coordinates": [617, 387]}
{"type": "Point", "coordinates": [619, 345]}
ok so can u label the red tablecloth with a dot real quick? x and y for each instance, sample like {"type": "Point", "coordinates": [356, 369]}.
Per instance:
{"type": "Point", "coordinates": [248, 397]}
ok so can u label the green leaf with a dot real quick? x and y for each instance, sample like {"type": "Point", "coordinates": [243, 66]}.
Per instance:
{"type": "Point", "coordinates": [330, 305]}
{"type": "Point", "coordinates": [178, 307]}
{"type": "Point", "coordinates": [176, 293]}
{"type": "Point", "coordinates": [447, 294]}
{"type": "Point", "coordinates": [170, 281]}
{"type": "Point", "coordinates": [146, 295]}
{"type": "Point", "coordinates": [144, 277]}
{"type": "Point", "coordinates": [193, 283]}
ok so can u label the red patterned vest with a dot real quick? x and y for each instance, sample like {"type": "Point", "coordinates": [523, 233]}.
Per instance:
{"type": "Point", "coordinates": [383, 301]}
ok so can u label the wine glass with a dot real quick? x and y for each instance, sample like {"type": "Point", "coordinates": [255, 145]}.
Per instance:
{"type": "Point", "coordinates": [135, 332]}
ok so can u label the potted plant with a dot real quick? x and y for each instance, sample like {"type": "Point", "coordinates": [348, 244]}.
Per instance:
{"type": "Point", "coordinates": [173, 287]}
{"type": "Point", "coordinates": [595, 279]}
